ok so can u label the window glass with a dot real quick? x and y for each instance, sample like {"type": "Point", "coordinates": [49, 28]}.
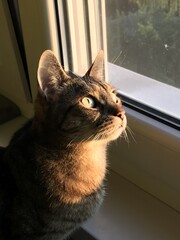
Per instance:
{"type": "Point", "coordinates": [144, 36]}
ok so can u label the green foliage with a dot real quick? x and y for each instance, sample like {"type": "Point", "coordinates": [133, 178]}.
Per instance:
{"type": "Point", "coordinates": [147, 41]}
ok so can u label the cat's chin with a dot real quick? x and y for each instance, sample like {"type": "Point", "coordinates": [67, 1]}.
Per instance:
{"type": "Point", "coordinates": [115, 135]}
{"type": "Point", "coordinates": [118, 127]}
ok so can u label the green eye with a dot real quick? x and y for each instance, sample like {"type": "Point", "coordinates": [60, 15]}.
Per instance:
{"type": "Point", "coordinates": [115, 99]}
{"type": "Point", "coordinates": [88, 102]}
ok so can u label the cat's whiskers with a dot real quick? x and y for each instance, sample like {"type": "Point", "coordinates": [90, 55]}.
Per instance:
{"type": "Point", "coordinates": [78, 144]}
{"type": "Point", "coordinates": [100, 135]}
{"type": "Point", "coordinates": [131, 133]}
{"type": "Point", "coordinates": [71, 142]}
{"type": "Point", "coordinates": [97, 137]}
{"type": "Point", "coordinates": [125, 136]}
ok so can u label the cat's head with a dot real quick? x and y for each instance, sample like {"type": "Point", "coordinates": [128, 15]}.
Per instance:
{"type": "Point", "coordinates": [77, 108]}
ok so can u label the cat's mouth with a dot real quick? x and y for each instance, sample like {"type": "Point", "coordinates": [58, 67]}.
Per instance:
{"type": "Point", "coordinates": [111, 128]}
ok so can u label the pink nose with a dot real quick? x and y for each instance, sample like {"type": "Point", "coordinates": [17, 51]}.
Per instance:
{"type": "Point", "coordinates": [121, 113]}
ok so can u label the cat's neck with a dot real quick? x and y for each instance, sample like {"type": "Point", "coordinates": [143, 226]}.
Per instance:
{"type": "Point", "coordinates": [78, 172]}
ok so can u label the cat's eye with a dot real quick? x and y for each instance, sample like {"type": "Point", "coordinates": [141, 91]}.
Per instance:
{"type": "Point", "coordinates": [88, 102]}
{"type": "Point", "coordinates": [118, 100]}
{"type": "Point", "coordinates": [115, 98]}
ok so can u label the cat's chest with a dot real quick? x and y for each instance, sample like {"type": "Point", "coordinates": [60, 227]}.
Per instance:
{"type": "Point", "coordinates": [90, 167]}
{"type": "Point", "coordinates": [77, 174]}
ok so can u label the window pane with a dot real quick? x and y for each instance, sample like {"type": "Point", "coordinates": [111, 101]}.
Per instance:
{"type": "Point", "coordinates": [144, 36]}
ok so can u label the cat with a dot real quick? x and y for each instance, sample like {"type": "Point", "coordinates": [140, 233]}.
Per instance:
{"type": "Point", "coordinates": [52, 172]}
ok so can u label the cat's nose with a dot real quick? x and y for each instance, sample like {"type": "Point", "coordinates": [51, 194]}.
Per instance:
{"type": "Point", "coordinates": [120, 111]}
{"type": "Point", "coordinates": [121, 114]}
{"type": "Point", "coordinates": [117, 111]}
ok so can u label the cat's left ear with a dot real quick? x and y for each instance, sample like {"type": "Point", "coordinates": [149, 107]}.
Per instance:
{"type": "Point", "coordinates": [97, 70]}
{"type": "Point", "coordinates": [50, 74]}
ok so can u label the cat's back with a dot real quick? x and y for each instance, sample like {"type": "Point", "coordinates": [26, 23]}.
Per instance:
{"type": "Point", "coordinates": [4, 188]}
{"type": "Point", "coordinates": [2, 151]}
{"type": "Point", "coordinates": [3, 174]}
{"type": "Point", "coordinates": [1, 192]}
{"type": "Point", "coordinates": [2, 170]}
{"type": "Point", "coordinates": [7, 182]}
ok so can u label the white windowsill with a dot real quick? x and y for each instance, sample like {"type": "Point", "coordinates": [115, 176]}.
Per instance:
{"type": "Point", "coordinates": [145, 90]}
{"type": "Point", "coordinates": [128, 213]}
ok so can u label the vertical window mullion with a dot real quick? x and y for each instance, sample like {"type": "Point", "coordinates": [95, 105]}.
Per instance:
{"type": "Point", "coordinates": [94, 43]}
{"type": "Point", "coordinates": [82, 26]}
{"type": "Point", "coordinates": [76, 15]}
{"type": "Point", "coordinates": [64, 32]}
{"type": "Point", "coordinates": [104, 36]}
{"type": "Point", "coordinates": [97, 28]}
{"type": "Point", "coordinates": [70, 15]}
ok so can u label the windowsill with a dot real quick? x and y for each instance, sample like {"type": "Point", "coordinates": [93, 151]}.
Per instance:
{"type": "Point", "coordinates": [145, 90]}
{"type": "Point", "coordinates": [129, 213]}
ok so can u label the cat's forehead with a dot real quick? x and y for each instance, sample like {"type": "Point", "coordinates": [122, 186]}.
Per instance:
{"type": "Point", "coordinates": [89, 86]}
{"type": "Point", "coordinates": [99, 86]}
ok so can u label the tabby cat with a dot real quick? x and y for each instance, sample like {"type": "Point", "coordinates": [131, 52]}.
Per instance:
{"type": "Point", "coordinates": [52, 172]}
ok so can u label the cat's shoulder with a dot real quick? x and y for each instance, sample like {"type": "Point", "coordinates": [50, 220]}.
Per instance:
{"type": "Point", "coordinates": [2, 150]}
{"type": "Point", "coordinates": [21, 132]}
{"type": "Point", "coordinates": [4, 175]}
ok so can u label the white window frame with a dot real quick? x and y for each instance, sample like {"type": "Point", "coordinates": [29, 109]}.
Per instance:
{"type": "Point", "coordinates": [39, 28]}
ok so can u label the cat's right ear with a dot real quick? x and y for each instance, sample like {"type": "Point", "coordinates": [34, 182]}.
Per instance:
{"type": "Point", "coordinates": [50, 74]}
{"type": "Point", "coordinates": [97, 70]}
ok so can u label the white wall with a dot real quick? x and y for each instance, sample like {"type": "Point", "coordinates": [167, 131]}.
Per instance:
{"type": "Point", "coordinates": [151, 160]}
{"type": "Point", "coordinates": [11, 70]}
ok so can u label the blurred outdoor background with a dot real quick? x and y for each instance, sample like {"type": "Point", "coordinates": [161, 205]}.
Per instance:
{"type": "Point", "coordinates": [144, 36]}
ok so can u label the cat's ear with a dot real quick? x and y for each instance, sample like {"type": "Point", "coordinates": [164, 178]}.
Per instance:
{"type": "Point", "coordinates": [50, 74]}
{"type": "Point", "coordinates": [97, 68]}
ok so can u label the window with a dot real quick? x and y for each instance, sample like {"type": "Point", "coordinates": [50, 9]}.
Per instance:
{"type": "Point", "coordinates": [144, 41]}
